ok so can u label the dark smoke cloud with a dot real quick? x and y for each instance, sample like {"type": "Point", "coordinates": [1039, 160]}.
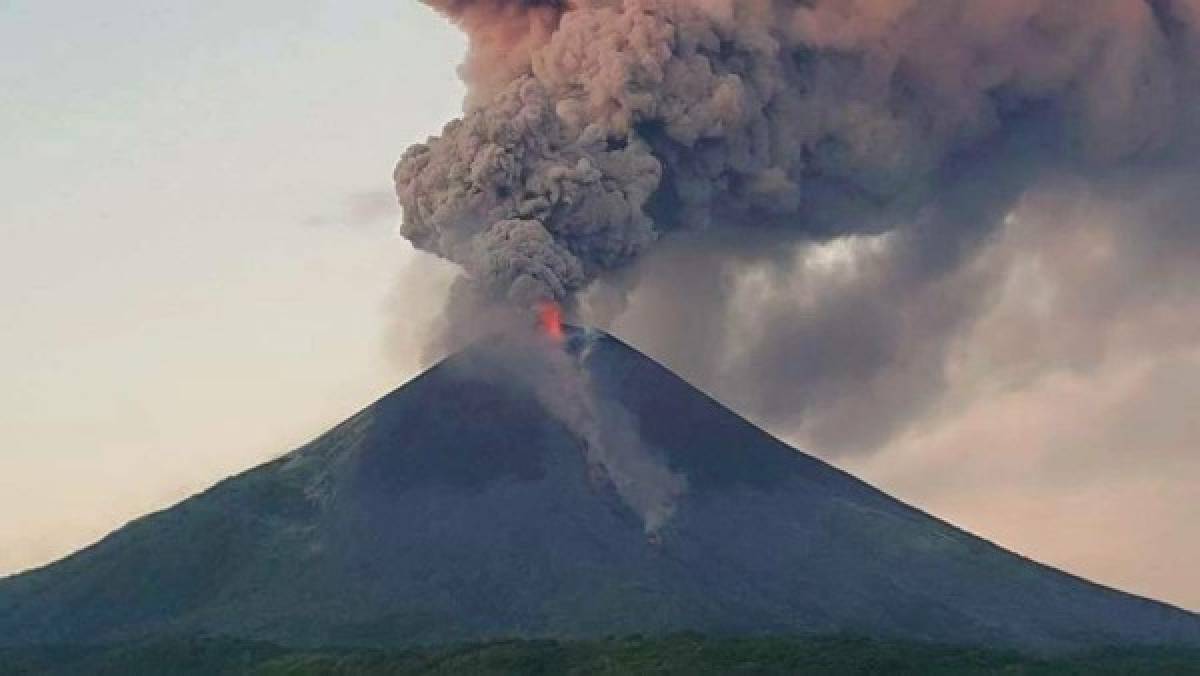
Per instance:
{"type": "Point", "coordinates": [797, 204]}
{"type": "Point", "coordinates": [635, 118]}
{"type": "Point", "coordinates": [843, 346]}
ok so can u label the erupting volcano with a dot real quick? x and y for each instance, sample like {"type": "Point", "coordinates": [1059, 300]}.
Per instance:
{"type": "Point", "coordinates": [552, 482]}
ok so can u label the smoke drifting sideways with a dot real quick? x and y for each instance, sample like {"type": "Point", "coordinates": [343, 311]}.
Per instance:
{"type": "Point", "coordinates": [790, 202]}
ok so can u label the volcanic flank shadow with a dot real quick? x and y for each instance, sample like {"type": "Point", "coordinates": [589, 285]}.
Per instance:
{"type": "Point", "coordinates": [507, 411]}
{"type": "Point", "coordinates": [439, 445]}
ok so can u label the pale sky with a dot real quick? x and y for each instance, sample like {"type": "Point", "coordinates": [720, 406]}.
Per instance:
{"type": "Point", "coordinates": [183, 296]}
{"type": "Point", "coordinates": [199, 273]}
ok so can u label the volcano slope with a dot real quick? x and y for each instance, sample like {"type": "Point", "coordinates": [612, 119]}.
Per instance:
{"type": "Point", "coordinates": [459, 507]}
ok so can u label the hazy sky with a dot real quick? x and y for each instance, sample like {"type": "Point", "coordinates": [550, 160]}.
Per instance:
{"type": "Point", "coordinates": [183, 294]}
{"type": "Point", "coordinates": [199, 272]}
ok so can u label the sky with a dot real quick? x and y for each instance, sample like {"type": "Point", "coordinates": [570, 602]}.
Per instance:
{"type": "Point", "coordinates": [199, 266]}
{"type": "Point", "coordinates": [200, 272]}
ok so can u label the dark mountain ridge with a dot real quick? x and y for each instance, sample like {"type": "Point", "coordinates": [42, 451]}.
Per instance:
{"type": "Point", "coordinates": [460, 507]}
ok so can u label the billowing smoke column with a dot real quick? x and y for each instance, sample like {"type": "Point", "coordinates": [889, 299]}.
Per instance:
{"type": "Point", "coordinates": [596, 127]}
{"type": "Point", "coordinates": [807, 206]}
{"type": "Point", "coordinates": [503, 35]}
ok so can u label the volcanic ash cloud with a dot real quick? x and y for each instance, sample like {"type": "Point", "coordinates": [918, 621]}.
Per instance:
{"type": "Point", "coordinates": [789, 202]}
{"type": "Point", "coordinates": [597, 127]}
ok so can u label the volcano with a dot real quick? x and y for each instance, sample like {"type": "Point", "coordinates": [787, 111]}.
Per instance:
{"type": "Point", "coordinates": [462, 507]}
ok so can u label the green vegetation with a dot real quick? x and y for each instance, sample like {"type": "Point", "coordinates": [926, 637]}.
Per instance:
{"type": "Point", "coordinates": [685, 654]}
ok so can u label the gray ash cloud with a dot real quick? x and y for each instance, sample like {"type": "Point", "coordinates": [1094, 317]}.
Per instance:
{"type": "Point", "coordinates": [648, 162]}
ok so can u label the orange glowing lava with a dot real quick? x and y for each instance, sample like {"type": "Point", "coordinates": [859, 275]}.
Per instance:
{"type": "Point", "coordinates": [550, 321]}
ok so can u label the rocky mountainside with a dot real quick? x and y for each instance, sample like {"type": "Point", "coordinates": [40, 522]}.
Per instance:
{"type": "Point", "coordinates": [467, 505]}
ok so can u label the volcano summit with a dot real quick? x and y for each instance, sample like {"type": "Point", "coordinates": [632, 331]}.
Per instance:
{"type": "Point", "coordinates": [465, 506]}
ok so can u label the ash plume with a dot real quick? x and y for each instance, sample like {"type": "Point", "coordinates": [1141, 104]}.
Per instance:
{"type": "Point", "coordinates": [787, 200]}
{"type": "Point", "coordinates": [503, 33]}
